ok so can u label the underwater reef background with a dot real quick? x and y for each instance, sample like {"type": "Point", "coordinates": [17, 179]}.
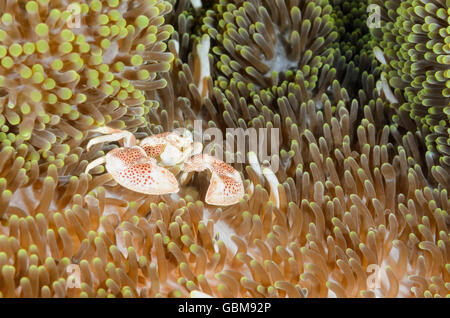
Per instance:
{"type": "Point", "coordinates": [364, 119]}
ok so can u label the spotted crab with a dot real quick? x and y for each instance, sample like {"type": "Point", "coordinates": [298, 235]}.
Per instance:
{"type": "Point", "coordinates": [143, 165]}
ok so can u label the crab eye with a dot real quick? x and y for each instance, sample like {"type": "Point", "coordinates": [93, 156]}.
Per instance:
{"type": "Point", "coordinates": [184, 135]}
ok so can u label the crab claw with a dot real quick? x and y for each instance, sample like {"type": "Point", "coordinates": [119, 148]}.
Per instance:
{"type": "Point", "coordinates": [173, 148]}
{"type": "Point", "coordinates": [226, 186]}
{"type": "Point", "coordinates": [132, 169]}
{"type": "Point", "coordinates": [112, 134]}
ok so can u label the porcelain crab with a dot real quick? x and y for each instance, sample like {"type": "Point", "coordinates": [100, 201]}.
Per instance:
{"type": "Point", "coordinates": [142, 165]}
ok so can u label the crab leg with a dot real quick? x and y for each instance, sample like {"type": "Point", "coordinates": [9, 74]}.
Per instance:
{"type": "Point", "coordinates": [112, 135]}
{"type": "Point", "coordinates": [226, 186]}
{"type": "Point", "coordinates": [95, 163]}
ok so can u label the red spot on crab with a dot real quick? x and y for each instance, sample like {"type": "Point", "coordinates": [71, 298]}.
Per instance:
{"type": "Point", "coordinates": [154, 151]}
